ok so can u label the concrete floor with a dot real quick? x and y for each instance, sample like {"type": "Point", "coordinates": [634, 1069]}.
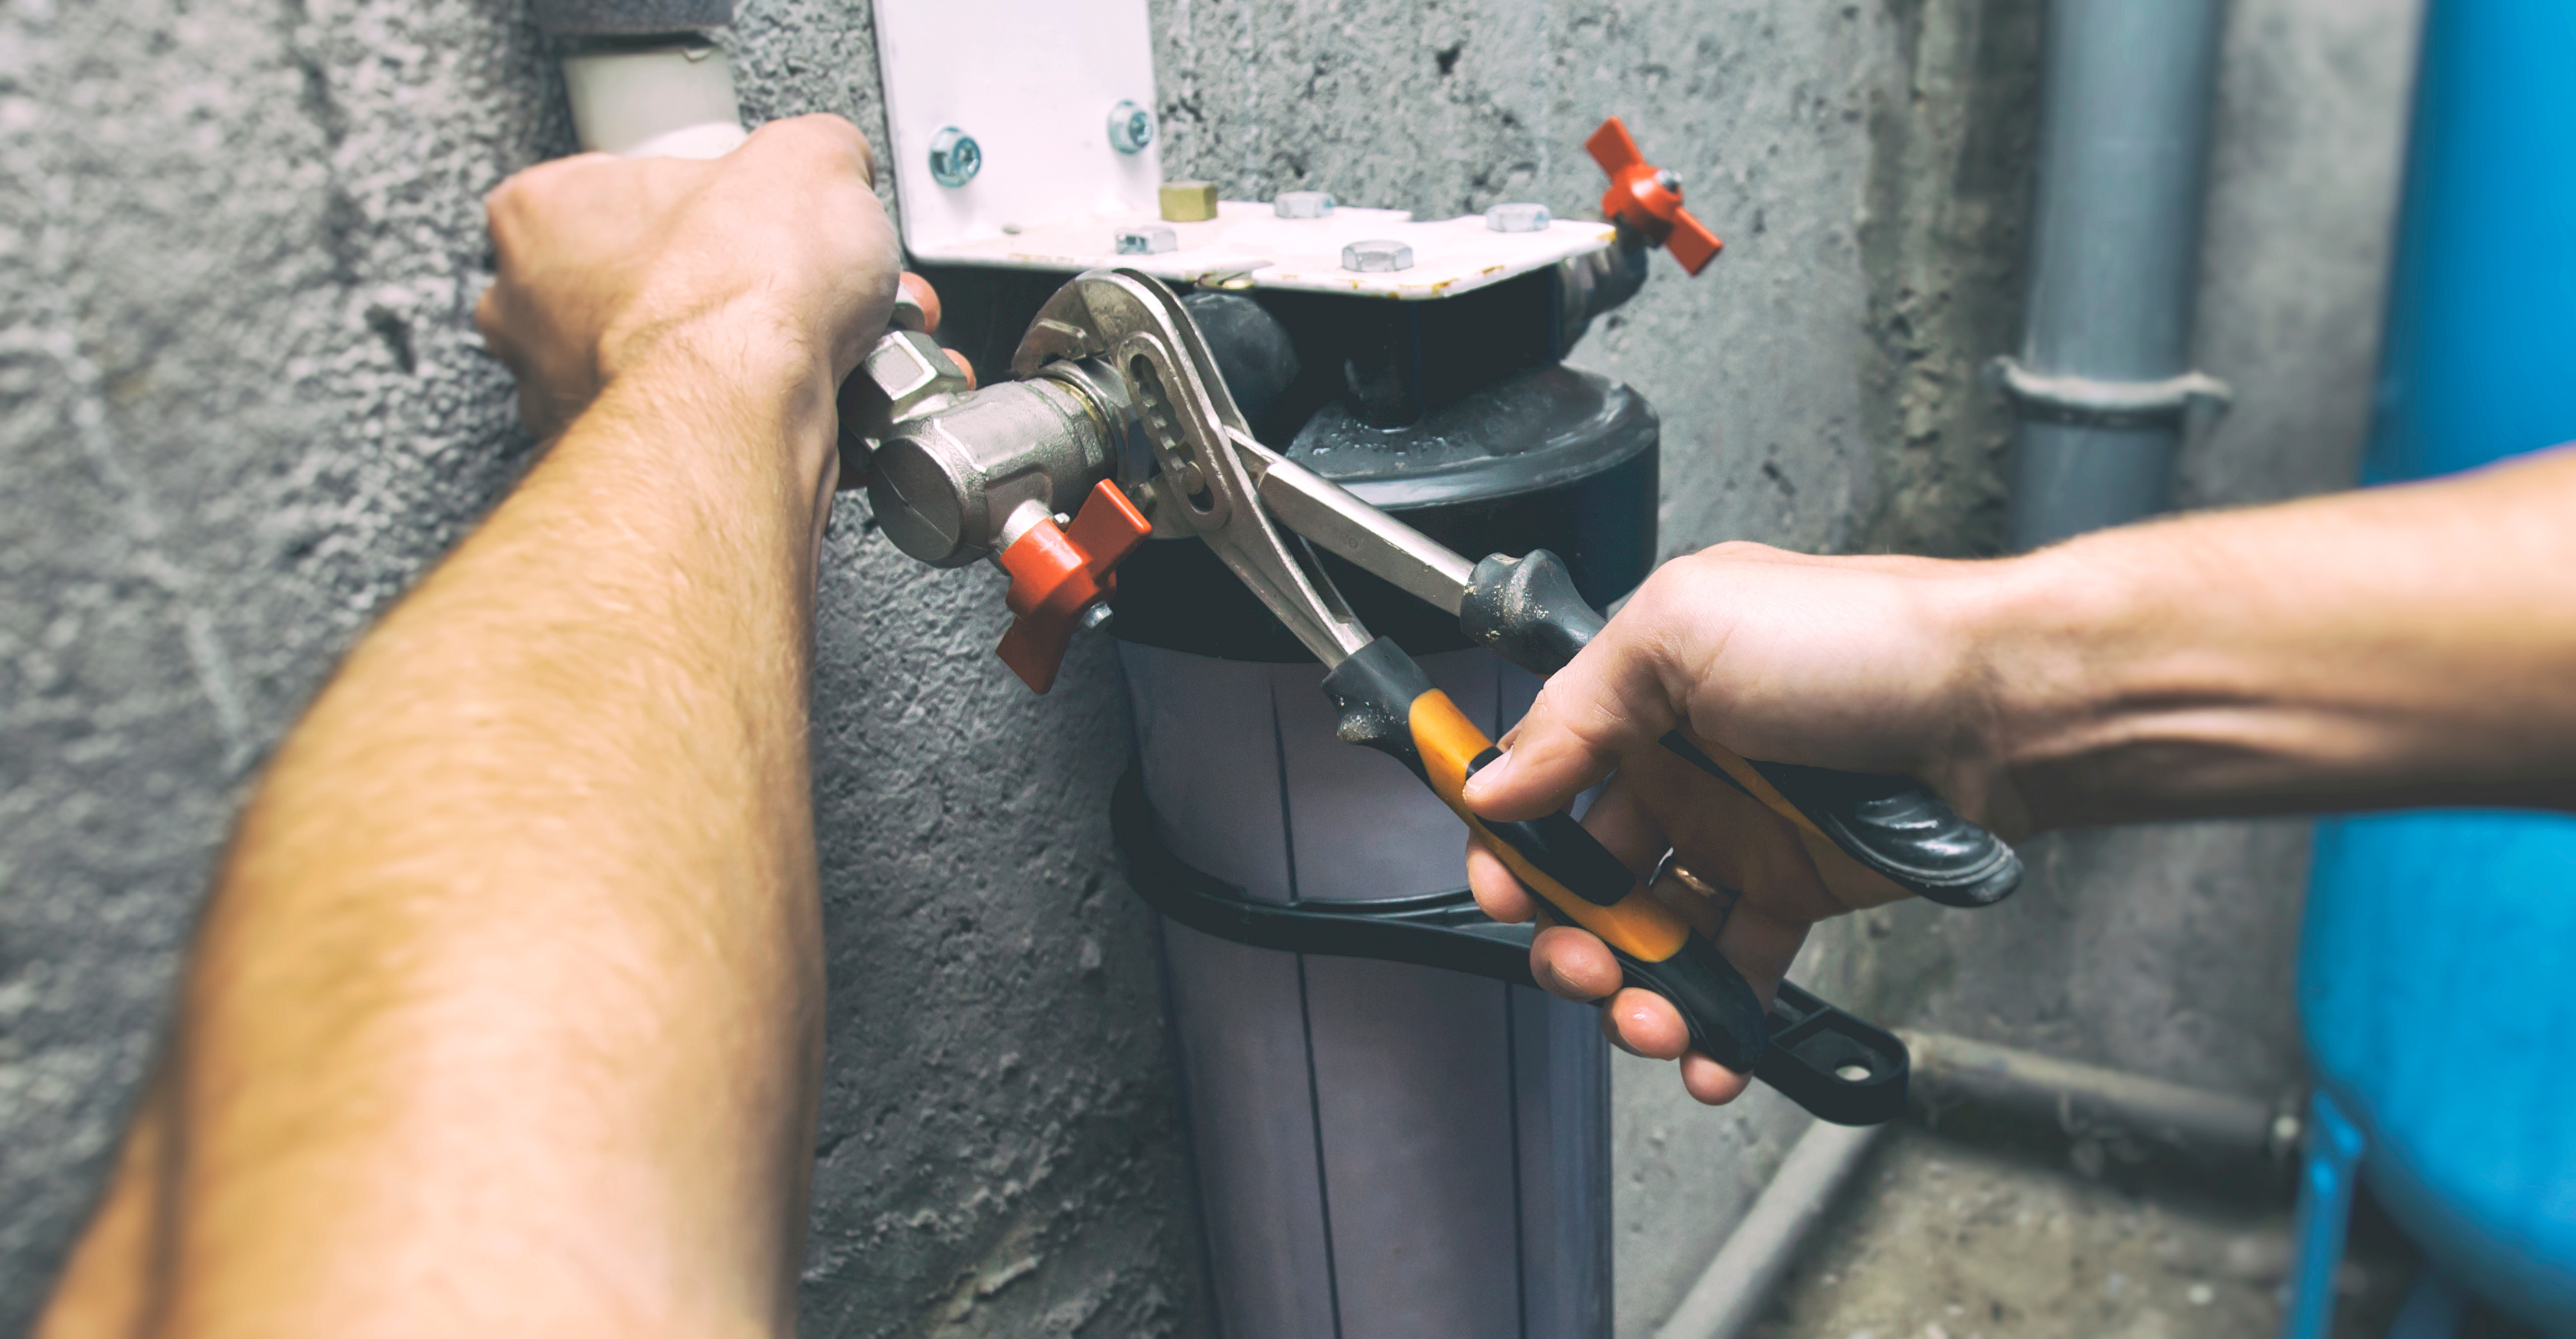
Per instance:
{"type": "Point", "coordinates": [1942, 1239]}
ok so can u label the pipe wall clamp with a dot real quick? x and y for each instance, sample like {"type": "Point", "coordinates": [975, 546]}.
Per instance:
{"type": "Point", "coordinates": [2193, 399]}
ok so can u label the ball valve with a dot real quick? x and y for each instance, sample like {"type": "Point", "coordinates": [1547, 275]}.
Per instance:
{"type": "Point", "coordinates": [955, 474]}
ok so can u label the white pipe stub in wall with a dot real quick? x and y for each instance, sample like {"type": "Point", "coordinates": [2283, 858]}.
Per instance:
{"type": "Point", "coordinates": [673, 101]}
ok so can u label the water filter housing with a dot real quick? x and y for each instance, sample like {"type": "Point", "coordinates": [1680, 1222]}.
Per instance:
{"type": "Point", "coordinates": [1380, 1148]}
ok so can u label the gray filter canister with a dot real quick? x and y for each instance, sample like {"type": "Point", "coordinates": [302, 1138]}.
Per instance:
{"type": "Point", "coordinates": [1382, 1149]}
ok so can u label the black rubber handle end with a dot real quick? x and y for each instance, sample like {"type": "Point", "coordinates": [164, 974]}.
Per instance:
{"type": "Point", "coordinates": [1836, 1066]}
{"type": "Point", "coordinates": [1725, 1019]}
{"type": "Point", "coordinates": [1527, 611]}
{"type": "Point", "coordinates": [1904, 832]}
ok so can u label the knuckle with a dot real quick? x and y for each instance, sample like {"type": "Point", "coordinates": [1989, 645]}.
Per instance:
{"type": "Point", "coordinates": [524, 193]}
{"type": "Point", "coordinates": [501, 203]}
{"type": "Point", "coordinates": [819, 133]}
{"type": "Point", "coordinates": [1670, 591]}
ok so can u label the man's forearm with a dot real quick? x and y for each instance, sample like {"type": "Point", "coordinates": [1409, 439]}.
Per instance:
{"type": "Point", "coordinates": [2394, 646]}
{"type": "Point", "coordinates": [520, 932]}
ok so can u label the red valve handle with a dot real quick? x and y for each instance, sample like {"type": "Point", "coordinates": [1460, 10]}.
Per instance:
{"type": "Point", "coordinates": [1648, 198]}
{"type": "Point", "coordinates": [1059, 571]}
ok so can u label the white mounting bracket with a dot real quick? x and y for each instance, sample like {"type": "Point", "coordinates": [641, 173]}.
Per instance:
{"type": "Point", "coordinates": [1033, 85]}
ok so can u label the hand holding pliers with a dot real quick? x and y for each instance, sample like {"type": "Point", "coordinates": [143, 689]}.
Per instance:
{"type": "Point", "coordinates": [1195, 469]}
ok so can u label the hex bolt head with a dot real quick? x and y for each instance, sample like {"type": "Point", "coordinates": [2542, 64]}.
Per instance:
{"type": "Point", "coordinates": [1518, 218]}
{"type": "Point", "coordinates": [955, 157]}
{"type": "Point", "coordinates": [913, 371]}
{"type": "Point", "coordinates": [1131, 127]}
{"type": "Point", "coordinates": [1377, 257]}
{"type": "Point", "coordinates": [1669, 180]}
{"type": "Point", "coordinates": [1303, 204]}
{"type": "Point", "coordinates": [1096, 617]}
{"type": "Point", "coordinates": [1147, 240]}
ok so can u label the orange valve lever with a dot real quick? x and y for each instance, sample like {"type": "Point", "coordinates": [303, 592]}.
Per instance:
{"type": "Point", "coordinates": [1058, 573]}
{"type": "Point", "coordinates": [1648, 198]}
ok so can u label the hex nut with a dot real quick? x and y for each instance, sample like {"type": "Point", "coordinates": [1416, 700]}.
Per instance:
{"type": "Point", "coordinates": [1131, 127]}
{"type": "Point", "coordinates": [912, 370]}
{"type": "Point", "coordinates": [955, 157]}
{"type": "Point", "coordinates": [1377, 257]}
{"type": "Point", "coordinates": [1303, 204]}
{"type": "Point", "coordinates": [1147, 240]}
{"type": "Point", "coordinates": [1189, 201]}
{"type": "Point", "coordinates": [1518, 218]}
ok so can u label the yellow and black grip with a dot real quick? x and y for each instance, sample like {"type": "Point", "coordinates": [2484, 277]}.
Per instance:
{"type": "Point", "coordinates": [1528, 611]}
{"type": "Point", "coordinates": [1388, 704]}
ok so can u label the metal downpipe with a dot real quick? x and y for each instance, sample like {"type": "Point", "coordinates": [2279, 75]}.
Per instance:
{"type": "Point", "coordinates": [2103, 383]}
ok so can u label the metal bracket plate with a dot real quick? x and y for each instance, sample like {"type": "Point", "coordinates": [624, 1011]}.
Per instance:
{"type": "Point", "coordinates": [1249, 246]}
{"type": "Point", "coordinates": [1034, 84]}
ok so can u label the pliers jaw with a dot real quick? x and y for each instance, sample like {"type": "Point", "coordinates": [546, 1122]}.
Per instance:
{"type": "Point", "coordinates": [1204, 476]}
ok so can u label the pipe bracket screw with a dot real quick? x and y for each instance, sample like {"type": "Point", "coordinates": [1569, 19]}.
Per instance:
{"type": "Point", "coordinates": [1377, 256]}
{"type": "Point", "coordinates": [1131, 127]}
{"type": "Point", "coordinates": [955, 157]}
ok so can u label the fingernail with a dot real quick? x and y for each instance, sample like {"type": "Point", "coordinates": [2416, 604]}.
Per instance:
{"type": "Point", "coordinates": [1484, 779]}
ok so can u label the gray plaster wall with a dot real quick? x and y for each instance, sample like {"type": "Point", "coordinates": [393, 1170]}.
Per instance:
{"type": "Point", "coordinates": [241, 407]}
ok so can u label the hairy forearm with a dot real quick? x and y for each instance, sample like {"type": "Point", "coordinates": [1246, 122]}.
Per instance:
{"type": "Point", "coordinates": [496, 969]}
{"type": "Point", "coordinates": [2409, 645]}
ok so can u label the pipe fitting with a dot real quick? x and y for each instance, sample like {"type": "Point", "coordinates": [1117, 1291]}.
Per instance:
{"type": "Point", "coordinates": [956, 483]}
{"type": "Point", "coordinates": [914, 373]}
{"type": "Point", "coordinates": [1597, 281]}
{"type": "Point", "coordinates": [664, 98]}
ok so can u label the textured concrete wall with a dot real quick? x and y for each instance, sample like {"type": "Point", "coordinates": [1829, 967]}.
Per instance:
{"type": "Point", "coordinates": [241, 406]}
